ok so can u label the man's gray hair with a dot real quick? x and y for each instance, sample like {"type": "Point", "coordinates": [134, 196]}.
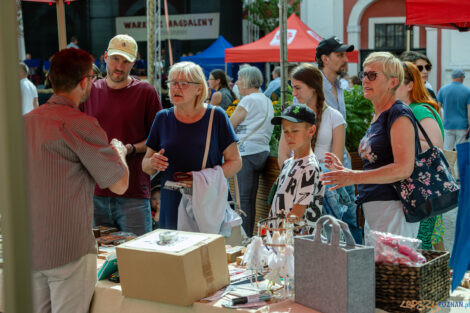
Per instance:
{"type": "Point", "coordinates": [277, 71]}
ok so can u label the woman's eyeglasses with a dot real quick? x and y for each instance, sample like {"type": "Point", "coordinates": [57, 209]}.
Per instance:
{"type": "Point", "coordinates": [428, 67]}
{"type": "Point", "coordinates": [371, 75]}
{"type": "Point", "coordinates": [180, 85]}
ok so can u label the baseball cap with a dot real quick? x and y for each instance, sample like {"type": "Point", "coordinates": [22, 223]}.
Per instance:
{"type": "Point", "coordinates": [123, 45]}
{"type": "Point", "coordinates": [296, 113]}
{"type": "Point", "coordinates": [332, 44]}
{"type": "Point", "coordinates": [457, 73]}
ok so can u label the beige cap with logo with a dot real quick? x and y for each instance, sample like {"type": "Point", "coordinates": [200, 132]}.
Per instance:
{"type": "Point", "coordinates": [123, 45]}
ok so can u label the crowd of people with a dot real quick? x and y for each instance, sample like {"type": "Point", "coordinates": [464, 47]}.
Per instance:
{"type": "Point", "coordinates": [97, 142]}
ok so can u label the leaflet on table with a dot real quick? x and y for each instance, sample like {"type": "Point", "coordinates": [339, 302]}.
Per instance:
{"type": "Point", "coordinates": [152, 242]}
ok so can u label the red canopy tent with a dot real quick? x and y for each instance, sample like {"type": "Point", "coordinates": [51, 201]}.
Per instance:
{"type": "Point", "coordinates": [453, 14]}
{"type": "Point", "coordinates": [301, 46]}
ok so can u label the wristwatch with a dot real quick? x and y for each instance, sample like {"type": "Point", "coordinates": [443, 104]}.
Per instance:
{"type": "Point", "coordinates": [134, 150]}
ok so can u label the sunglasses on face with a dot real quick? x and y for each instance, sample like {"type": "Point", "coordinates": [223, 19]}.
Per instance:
{"type": "Point", "coordinates": [428, 67]}
{"type": "Point", "coordinates": [371, 75]}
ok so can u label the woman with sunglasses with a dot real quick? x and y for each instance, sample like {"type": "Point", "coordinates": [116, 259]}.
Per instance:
{"type": "Point", "coordinates": [424, 66]}
{"type": "Point", "coordinates": [387, 149]}
{"type": "Point", "coordinates": [177, 140]}
{"type": "Point", "coordinates": [413, 92]}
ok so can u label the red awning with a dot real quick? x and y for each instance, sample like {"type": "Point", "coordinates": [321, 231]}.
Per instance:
{"type": "Point", "coordinates": [453, 14]}
{"type": "Point", "coordinates": [301, 46]}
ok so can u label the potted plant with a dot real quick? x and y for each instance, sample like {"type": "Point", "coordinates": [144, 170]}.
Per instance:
{"type": "Point", "coordinates": [359, 113]}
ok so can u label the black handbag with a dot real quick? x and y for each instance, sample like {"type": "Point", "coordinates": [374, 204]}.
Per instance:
{"type": "Point", "coordinates": [431, 189]}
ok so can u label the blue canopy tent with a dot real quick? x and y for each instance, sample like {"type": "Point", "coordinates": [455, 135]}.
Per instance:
{"type": "Point", "coordinates": [213, 57]}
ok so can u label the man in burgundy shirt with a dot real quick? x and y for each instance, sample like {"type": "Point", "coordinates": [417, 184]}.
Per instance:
{"type": "Point", "coordinates": [125, 108]}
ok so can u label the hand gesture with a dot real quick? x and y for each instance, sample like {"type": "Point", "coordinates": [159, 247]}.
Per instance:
{"type": "Point", "coordinates": [158, 161]}
{"type": "Point", "coordinates": [339, 176]}
{"type": "Point", "coordinates": [119, 148]}
{"type": "Point", "coordinates": [332, 162]}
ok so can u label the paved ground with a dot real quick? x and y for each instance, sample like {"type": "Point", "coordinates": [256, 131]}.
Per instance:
{"type": "Point", "coordinates": [449, 224]}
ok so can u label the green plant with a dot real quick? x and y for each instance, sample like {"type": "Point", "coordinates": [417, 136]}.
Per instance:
{"type": "Point", "coordinates": [359, 113]}
{"type": "Point", "coordinates": [265, 13]}
{"type": "Point", "coordinates": [276, 136]}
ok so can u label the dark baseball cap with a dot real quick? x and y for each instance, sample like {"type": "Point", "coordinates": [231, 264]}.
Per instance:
{"type": "Point", "coordinates": [332, 44]}
{"type": "Point", "coordinates": [296, 113]}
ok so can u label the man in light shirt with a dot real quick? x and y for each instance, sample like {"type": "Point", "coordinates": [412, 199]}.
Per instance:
{"type": "Point", "coordinates": [275, 84]}
{"type": "Point", "coordinates": [29, 93]}
{"type": "Point", "coordinates": [332, 61]}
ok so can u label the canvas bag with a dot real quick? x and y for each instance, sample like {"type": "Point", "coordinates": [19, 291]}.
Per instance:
{"type": "Point", "coordinates": [334, 276]}
{"type": "Point", "coordinates": [431, 189]}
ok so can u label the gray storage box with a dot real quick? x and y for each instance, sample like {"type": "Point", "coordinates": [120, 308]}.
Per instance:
{"type": "Point", "coordinates": [334, 277]}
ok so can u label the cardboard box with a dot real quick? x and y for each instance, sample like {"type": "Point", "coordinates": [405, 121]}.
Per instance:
{"type": "Point", "coordinates": [193, 267]}
{"type": "Point", "coordinates": [233, 253]}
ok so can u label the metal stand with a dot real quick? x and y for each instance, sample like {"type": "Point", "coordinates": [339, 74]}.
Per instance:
{"type": "Point", "coordinates": [154, 46]}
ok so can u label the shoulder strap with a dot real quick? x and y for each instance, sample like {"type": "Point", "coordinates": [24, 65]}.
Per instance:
{"type": "Point", "coordinates": [416, 132]}
{"type": "Point", "coordinates": [259, 126]}
{"type": "Point", "coordinates": [429, 108]}
{"type": "Point", "coordinates": [208, 139]}
{"type": "Point", "coordinates": [424, 134]}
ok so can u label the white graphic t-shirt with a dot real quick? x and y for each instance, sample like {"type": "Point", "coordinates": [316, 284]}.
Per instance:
{"type": "Point", "coordinates": [299, 183]}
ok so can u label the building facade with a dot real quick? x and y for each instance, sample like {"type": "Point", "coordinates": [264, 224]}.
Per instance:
{"type": "Point", "coordinates": [378, 25]}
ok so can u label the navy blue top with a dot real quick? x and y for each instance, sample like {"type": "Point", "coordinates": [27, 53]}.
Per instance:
{"type": "Point", "coordinates": [184, 146]}
{"type": "Point", "coordinates": [375, 151]}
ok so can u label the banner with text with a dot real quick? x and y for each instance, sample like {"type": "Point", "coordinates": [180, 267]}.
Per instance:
{"type": "Point", "coordinates": [182, 26]}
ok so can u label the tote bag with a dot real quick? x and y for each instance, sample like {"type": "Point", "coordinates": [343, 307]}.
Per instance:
{"type": "Point", "coordinates": [431, 189]}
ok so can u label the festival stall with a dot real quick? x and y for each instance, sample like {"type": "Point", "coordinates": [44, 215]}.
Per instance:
{"type": "Point", "coordinates": [301, 46]}
{"type": "Point", "coordinates": [213, 57]}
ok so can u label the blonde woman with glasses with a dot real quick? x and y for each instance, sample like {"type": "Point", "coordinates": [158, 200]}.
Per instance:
{"type": "Point", "coordinates": [177, 139]}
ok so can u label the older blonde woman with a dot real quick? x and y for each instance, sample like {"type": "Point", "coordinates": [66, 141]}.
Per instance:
{"type": "Point", "coordinates": [177, 139]}
{"type": "Point", "coordinates": [387, 149]}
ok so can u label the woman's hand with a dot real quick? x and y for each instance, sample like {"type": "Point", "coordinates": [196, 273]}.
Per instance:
{"type": "Point", "coordinates": [158, 161]}
{"type": "Point", "coordinates": [154, 161]}
{"type": "Point", "coordinates": [332, 162]}
{"type": "Point", "coordinates": [339, 178]}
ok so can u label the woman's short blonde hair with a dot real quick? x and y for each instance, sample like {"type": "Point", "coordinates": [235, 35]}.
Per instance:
{"type": "Point", "coordinates": [192, 72]}
{"type": "Point", "coordinates": [252, 77]}
{"type": "Point", "coordinates": [391, 65]}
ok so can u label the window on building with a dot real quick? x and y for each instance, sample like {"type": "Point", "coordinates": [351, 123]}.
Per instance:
{"type": "Point", "coordinates": [390, 36]}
